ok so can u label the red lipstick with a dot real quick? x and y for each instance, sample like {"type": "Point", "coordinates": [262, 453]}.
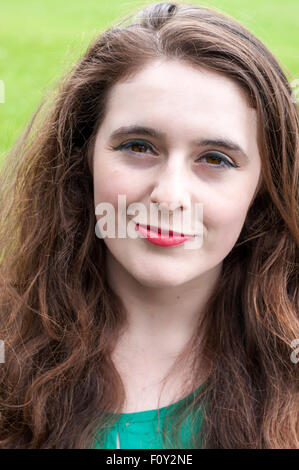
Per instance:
{"type": "Point", "coordinates": [158, 238]}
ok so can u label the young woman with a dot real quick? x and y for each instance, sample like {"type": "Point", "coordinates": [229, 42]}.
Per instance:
{"type": "Point", "coordinates": [131, 342]}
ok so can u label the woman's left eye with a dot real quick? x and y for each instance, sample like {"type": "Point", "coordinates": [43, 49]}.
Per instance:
{"type": "Point", "coordinates": [213, 159]}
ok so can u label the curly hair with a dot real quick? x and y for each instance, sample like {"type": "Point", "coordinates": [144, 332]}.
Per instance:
{"type": "Point", "coordinates": [60, 320]}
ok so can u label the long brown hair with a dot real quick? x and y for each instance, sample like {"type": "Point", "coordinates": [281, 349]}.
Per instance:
{"type": "Point", "coordinates": [60, 320]}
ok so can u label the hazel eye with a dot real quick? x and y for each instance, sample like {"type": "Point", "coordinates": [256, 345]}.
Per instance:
{"type": "Point", "coordinates": [213, 159]}
{"type": "Point", "coordinates": [135, 146]}
{"type": "Point", "coordinates": [138, 146]}
{"type": "Point", "coordinates": [217, 160]}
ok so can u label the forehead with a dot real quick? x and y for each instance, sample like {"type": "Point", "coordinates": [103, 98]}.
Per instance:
{"type": "Point", "coordinates": [182, 99]}
{"type": "Point", "coordinates": [178, 81]}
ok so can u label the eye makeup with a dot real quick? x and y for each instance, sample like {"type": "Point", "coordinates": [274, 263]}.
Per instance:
{"type": "Point", "coordinates": [223, 142]}
{"type": "Point", "coordinates": [214, 156]}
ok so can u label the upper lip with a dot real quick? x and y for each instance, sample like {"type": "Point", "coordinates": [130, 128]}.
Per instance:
{"type": "Point", "coordinates": [165, 231]}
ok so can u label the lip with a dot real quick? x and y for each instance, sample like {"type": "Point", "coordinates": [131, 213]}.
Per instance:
{"type": "Point", "coordinates": [158, 237]}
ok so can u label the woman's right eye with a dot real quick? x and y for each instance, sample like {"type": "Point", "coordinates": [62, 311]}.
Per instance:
{"type": "Point", "coordinates": [135, 145]}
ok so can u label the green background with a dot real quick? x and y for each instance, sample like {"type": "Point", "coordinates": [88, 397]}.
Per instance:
{"type": "Point", "coordinates": [40, 40]}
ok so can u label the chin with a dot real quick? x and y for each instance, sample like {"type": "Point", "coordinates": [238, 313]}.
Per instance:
{"type": "Point", "coordinates": [159, 279]}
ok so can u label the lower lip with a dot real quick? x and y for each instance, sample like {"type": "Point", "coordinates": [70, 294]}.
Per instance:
{"type": "Point", "coordinates": [161, 240]}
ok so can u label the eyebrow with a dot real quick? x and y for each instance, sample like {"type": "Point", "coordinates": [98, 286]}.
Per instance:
{"type": "Point", "coordinates": [142, 130]}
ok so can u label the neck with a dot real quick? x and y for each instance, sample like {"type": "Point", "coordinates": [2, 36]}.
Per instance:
{"type": "Point", "coordinates": [161, 318]}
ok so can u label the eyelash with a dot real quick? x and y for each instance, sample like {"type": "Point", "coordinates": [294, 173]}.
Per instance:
{"type": "Point", "coordinates": [226, 163]}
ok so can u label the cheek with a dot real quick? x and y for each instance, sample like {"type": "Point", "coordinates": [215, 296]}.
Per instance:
{"type": "Point", "coordinates": [223, 225]}
{"type": "Point", "coordinates": [224, 217]}
{"type": "Point", "coordinates": [108, 184]}
{"type": "Point", "coordinates": [228, 205]}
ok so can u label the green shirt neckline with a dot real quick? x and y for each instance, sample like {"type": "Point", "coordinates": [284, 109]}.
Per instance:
{"type": "Point", "coordinates": [140, 429]}
{"type": "Point", "coordinates": [148, 415]}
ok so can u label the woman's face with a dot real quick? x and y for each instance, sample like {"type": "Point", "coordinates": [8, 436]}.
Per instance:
{"type": "Point", "coordinates": [190, 107]}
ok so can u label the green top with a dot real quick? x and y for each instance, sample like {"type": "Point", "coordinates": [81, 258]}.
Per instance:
{"type": "Point", "coordinates": [141, 430]}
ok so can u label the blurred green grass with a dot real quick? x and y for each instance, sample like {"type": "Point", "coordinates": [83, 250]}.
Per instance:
{"type": "Point", "coordinates": [40, 40]}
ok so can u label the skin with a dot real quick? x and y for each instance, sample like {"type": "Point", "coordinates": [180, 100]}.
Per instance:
{"type": "Point", "coordinates": [165, 289]}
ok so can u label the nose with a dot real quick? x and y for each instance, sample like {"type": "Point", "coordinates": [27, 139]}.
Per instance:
{"type": "Point", "coordinates": [170, 189]}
